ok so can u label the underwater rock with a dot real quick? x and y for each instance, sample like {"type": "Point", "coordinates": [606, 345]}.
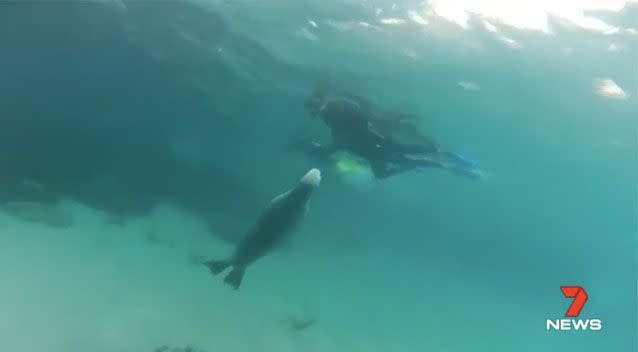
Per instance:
{"type": "Point", "coordinates": [295, 323]}
{"type": "Point", "coordinates": [38, 212]}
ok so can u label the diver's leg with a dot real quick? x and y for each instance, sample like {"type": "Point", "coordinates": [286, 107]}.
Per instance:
{"type": "Point", "coordinates": [464, 171]}
{"type": "Point", "coordinates": [462, 165]}
{"type": "Point", "coordinates": [423, 162]}
{"type": "Point", "coordinates": [459, 159]}
{"type": "Point", "coordinates": [382, 171]}
{"type": "Point", "coordinates": [427, 162]}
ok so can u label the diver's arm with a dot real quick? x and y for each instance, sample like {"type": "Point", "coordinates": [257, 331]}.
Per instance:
{"type": "Point", "coordinates": [467, 172]}
{"type": "Point", "coordinates": [422, 162]}
{"type": "Point", "coordinates": [322, 150]}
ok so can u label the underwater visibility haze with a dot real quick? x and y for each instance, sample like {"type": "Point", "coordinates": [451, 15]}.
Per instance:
{"type": "Point", "coordinates": [147, 146]}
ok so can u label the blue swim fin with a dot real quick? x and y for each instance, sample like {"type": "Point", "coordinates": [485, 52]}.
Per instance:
{"type": "Point", "coordinates": [475, 174]}
{"type": "Point", "coordinates": [462, 160]}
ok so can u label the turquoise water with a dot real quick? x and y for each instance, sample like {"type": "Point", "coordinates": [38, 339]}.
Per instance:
{"type": "Point", "coordinates": [140, 137]}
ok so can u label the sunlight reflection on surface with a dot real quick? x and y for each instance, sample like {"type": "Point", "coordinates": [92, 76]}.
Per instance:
{"type": "Point", "coordinates": [529, 15]}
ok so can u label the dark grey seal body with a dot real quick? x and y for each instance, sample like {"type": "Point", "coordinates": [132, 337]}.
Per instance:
{"type": "Point", "coordinates": [276, 222]}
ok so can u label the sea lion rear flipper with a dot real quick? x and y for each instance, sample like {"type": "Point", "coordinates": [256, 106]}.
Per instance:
{"type": "Point", "coordinates": [233, 279]}
{"type": "Point", "coordinates": [217, 266]}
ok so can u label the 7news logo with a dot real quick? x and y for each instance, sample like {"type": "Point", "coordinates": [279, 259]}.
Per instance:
{"type": "Point", "coordinates": [580, 297]}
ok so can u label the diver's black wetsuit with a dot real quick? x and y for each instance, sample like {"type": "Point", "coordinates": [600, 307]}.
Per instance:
{"type": "Point", "coordinates": [356, 129]}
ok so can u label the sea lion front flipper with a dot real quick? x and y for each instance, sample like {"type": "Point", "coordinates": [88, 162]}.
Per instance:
{"type": "Point", "coordinates": [233, 279]}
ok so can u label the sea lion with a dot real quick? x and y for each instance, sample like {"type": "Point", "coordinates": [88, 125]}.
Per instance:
{"type": "Point", "coordinates": [275, 223]}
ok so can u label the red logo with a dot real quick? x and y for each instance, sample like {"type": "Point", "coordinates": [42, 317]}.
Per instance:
{"type": "Point", "coordinates": [579, 296]}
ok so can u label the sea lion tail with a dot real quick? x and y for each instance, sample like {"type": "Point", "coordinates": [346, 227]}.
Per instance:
{"type": "Point", "coordinates": [217, 266]}
{"type": "Point", "coordinates": [233, 279]}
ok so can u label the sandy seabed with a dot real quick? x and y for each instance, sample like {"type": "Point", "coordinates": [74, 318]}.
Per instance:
{"type": "Point", "coordinates": [134, 286]}
{"type": "Point", "coordinates": [99, 285]}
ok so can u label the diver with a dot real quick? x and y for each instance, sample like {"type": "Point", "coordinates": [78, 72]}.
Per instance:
{"type": "Point", "coordinates": [391, 143]}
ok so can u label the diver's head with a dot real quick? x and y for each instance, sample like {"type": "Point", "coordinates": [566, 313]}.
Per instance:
{"type": "Point", "coordinates": [317, 99]}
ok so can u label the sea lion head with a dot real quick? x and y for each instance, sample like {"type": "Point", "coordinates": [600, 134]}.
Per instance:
{"type": "Point", "coordinates": [311, 178]}
{"type": "Point", "coordinates": [307, 184]}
